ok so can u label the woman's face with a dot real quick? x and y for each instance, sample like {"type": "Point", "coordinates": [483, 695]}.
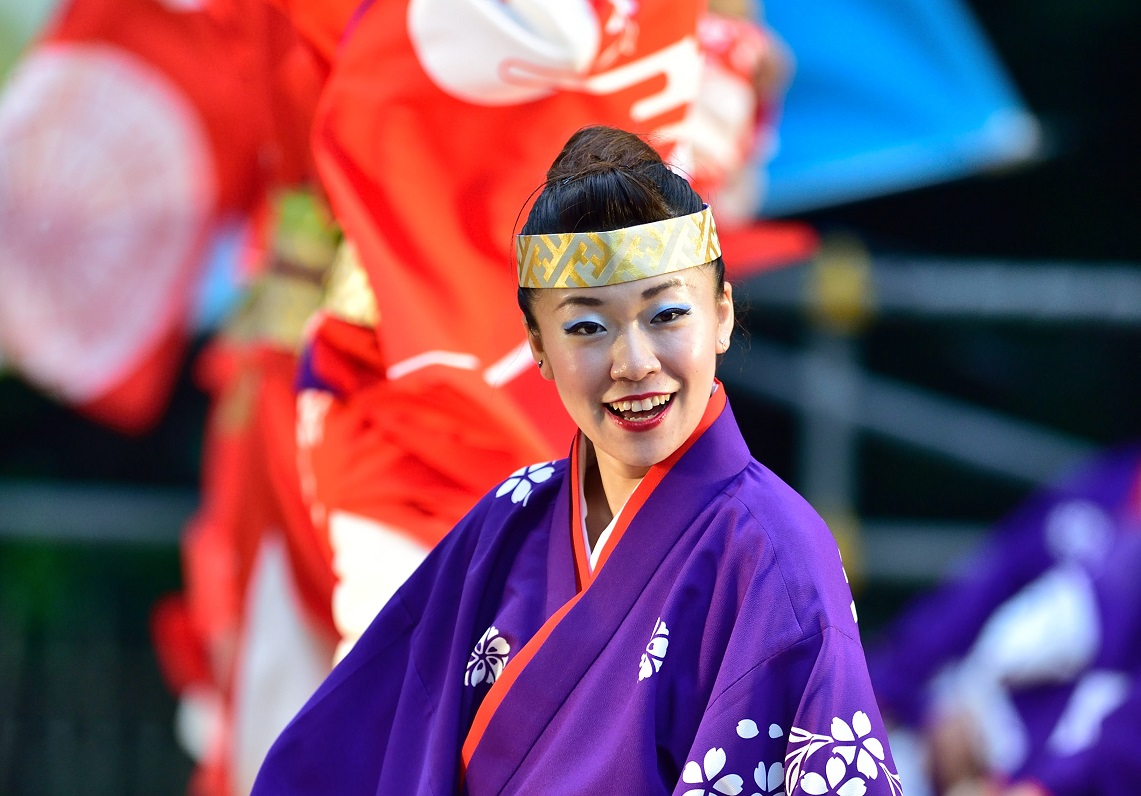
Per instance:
{"type": "Point", "coordinates": [634, 362]}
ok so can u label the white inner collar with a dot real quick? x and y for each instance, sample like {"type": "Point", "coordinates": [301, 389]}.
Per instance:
{"type": "Point", "coordinates": [604, 537]}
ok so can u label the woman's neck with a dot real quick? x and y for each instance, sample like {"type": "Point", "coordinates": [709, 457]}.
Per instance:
{"type": "Point", "coordinates": [606, 486]}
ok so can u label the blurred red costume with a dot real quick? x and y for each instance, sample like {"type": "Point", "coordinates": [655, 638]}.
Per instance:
{"type": "Point", "coordinates": [437, 121]}
{"type": "Point", "coordinates": [251, 635]}
{"type": "Point", "coordinates": [127, 133]}
{"type": "Point", "coordinates": [133, 131]}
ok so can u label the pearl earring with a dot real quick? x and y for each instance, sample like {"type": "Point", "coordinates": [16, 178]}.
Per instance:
{"type": "Point", "coordinates": [540, 363]}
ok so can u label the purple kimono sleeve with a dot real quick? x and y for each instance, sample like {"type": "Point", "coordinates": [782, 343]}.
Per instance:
{"type": "Point", "coordinates": [803, 721]}
{"type": "Point", "coordinates": [374, 714]}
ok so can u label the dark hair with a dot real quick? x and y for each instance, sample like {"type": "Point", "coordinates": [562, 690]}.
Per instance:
{"type": "Point", "coordinates": [606, 179]}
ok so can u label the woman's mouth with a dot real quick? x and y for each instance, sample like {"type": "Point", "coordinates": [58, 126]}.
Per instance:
{"type": "Point", "coordinates": [639, 414]}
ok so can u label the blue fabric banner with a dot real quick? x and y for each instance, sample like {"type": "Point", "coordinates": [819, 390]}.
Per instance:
{"type": "Point", "coordinates": [888, 95]}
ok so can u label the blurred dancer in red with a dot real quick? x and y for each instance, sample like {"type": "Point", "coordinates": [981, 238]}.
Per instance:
{"type": "Point", "coordinates": [253, 624]}
{"type": "Point", "coordinates": [404, 390]}
{"type": "Point", "coordinates": [183, 121]}
{"type": "Point", "coordinates": [256, 602]}
{"type": "Point", "coordinates": [130, 135]}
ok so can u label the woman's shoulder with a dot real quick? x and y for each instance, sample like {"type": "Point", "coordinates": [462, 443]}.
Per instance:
{"type": "Point", "coordinates": [790, 552]}
{"type": "Point", "coordinates": [778, 515]}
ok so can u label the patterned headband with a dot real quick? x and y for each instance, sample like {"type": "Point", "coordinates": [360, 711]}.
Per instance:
{"type": "Point", "coordinates": [595, 259]}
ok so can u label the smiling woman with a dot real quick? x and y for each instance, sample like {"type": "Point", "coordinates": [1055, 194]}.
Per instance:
{"type": "Point", "coordinates": [631, 617]}
{"type": "Point", "coordinates": [634, 365]}
{"type": "Point", "coordinates": [634, 349]}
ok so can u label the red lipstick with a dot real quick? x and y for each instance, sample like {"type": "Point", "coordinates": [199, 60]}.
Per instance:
{"type": "Point", "coordinates": [641, 425]}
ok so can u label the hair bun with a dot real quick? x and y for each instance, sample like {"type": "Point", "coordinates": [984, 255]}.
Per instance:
{"type": "Point", "coordinates": [600, 150]}
{"type": "Point", "coordinates": [605, 178]}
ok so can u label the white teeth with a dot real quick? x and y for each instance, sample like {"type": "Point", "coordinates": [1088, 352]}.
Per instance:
{"type": "Point", "coordinates": [644, 405]}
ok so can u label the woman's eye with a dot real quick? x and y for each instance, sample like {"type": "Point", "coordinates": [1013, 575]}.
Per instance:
{"type": "Point", "coordinates": [672, 314]}
{"type": "Point", "coordinates": [584, 328]}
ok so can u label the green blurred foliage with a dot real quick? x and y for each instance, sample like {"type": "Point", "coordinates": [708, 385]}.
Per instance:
{"type": "Point", "coordinates": [19, 22]}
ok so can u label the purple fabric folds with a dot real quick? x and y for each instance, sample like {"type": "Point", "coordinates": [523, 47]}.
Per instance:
{"type": "Point", "coordinates": [716, 651]}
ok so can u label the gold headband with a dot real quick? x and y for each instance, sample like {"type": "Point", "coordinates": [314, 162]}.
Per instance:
{"type": "Point", "coordinates": [595, 259]}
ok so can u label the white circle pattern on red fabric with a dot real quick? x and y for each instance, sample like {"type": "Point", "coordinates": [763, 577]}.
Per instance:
{"type": "Point", "coordinates": [503, 53]}
{"type": "Point", "coordinates": [106, 184]}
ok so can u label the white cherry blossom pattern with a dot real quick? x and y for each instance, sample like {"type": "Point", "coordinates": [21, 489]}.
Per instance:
{"type": "Point", "coordinates": [487, 659]}
{"type": "Point", "coordinates": [847, 743]}
{"type": "Point", "coordinates": [655, 652]}
{"type": "Point", "coordinates": [769, 779]}
{"type": "Point", "coordinates": [520, 482]}
{"type": "Point", "coordinates": [747, 728]}
{"type": "Point", "coordinates": [860, 745]}
{"type": "Point", "coordinates": [705, 776]}
{"type": "Point", "coordinates": [815, 785]}
{"type": "Point", "coordinates": [852, 757]}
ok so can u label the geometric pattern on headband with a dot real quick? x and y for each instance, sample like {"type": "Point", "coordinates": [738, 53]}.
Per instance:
{"type": "Point", "coordinates": [595, 259]}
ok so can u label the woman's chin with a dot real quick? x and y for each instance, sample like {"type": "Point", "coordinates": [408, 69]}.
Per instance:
{"type": "Point", "coordinates": [640, 453]}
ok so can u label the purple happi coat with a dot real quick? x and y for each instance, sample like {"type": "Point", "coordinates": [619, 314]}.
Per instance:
{"type": "Point", "coordinates": [713, 650]}
{"type": "Point", "coordinates": [1038, 636]}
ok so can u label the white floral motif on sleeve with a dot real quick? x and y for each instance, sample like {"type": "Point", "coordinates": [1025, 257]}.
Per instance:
{"type": "Point", "coordinates": [487, 659]}
{"type": "Point", "coordinates": [703, 776]}
{"type": "Point", "coordinates": [769, 779]}
{"type": "Point", "coordinates": [848, 743]}
{"type": "Point", "coordinates": [520, 482]}
{"type": "Point", "coordinates": [861, 746]}
{"type": "Point", "coordinates": [852, 758]}
{"type": "Point", "coordinates": [655, 651]}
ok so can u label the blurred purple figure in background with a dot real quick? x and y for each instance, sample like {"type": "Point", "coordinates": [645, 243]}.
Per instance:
{"type": "Point", "coordinates": [1023, 671]}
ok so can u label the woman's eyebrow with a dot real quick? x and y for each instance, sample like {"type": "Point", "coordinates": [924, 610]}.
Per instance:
{"type": "Point", "coordinates": [649, 293]}
{"type": "Point", "coordinates": [579, 301]}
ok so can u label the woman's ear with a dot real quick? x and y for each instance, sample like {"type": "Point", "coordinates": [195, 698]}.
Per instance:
{"type": "Point", "coordinates": [725, 318]}
{"type": "Point", "coordinates": [535, 341]}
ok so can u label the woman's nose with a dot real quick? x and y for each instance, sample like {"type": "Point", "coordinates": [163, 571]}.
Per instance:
{"type": "Point", "coordinates": [634, 357]}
